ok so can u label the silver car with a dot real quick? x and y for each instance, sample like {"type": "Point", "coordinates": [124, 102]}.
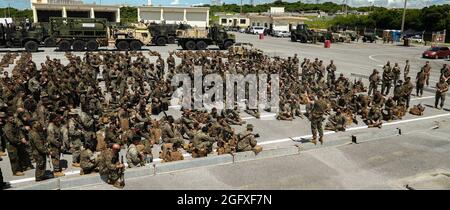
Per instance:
{"type": "Point", "coordinates": [282, 34]}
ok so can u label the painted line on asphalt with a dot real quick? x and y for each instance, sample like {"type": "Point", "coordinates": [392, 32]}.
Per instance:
{"type": "Point", "coordinates": [422, 98]}
{"type": "Point", "coordinates": [354, 128]}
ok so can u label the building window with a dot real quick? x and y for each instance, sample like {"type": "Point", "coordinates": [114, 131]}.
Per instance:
{"type": "Point", "coordinates": [230, 21]}
{"type": "Point", "coordinates": [243, 21]}
{"type": "Point", "coordinates": [224, 20]}
{"type": "Point", "coordinates": [257, 24]}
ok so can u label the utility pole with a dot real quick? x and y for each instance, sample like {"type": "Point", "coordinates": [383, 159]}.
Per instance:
{"type": "Point", "coordinates": [241, 6]}
{"type": "Point", "coordinates": [403, 19]}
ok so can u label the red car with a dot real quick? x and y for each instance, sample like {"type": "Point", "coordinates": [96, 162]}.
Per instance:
{"type": "Point", "coordinates": [437, 52]}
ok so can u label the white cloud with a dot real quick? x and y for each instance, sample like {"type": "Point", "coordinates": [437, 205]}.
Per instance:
{"type": "Point", "coordinates": [175, 2]}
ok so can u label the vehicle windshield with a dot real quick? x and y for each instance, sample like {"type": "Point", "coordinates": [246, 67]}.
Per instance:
{"type": "Point", "coordinates": [434, 49]}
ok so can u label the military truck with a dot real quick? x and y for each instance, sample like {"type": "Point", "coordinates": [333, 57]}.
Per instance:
{"type": "Point", "coordinates": [89, 34]}
{"type": "Point", "coordinates": [199, 39]}
{"type": "Point", "coordinates": [369, 37]}
{"type": "Point", "coordinates": [304, 34]}
{"type": "Point", "coordinates": [23, 35]}
{"type": "Point", "coordinates": [165, 33]}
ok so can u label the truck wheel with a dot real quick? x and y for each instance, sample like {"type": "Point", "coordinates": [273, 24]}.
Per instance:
{"type": "Point", "coordinates": [64, 45]}
{"type": "Point", "coordinates": [49, 42]}
{"type": "Point", "coordinates": [293, 38]}
{"type": "Point", "coordinates": [171, 40]}
{"type": "Point", "coordinates": [161, 41]}
{"type": "Point", "coordinates": [201, 45]}
{"type": "Point", "coordinates": [190, 45]}
{"type": "Point", "coordinates": [78, 45]}
{"type": "Point", "coordinates": [135, 45]}
{"type": "Point", "coordinates": [122, 46]}
{"type": "Point", "coordinates": [92, 45]}
{"type": "Point", "coordinates": [31, 46]}
{"type": "Point", "coordinates": [303, 40]}
{"type": "Point", "coordinates": [227, 44]}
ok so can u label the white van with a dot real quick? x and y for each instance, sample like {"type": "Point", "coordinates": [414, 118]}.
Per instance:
{"type": "Point", "coordinates": [257, 29]}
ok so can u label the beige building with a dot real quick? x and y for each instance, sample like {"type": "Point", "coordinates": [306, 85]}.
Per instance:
{"type": "Point", "coordinates": [194, 16]}
{"type": "Point", "coordinates": [276, 19]}
{"type": "Point", "coordinates": [44, 9]}
{"type": "Point", "coordinates": [233, 20]}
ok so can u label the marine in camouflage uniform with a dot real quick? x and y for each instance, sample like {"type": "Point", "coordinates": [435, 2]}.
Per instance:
{"type": "Point", "coordinates": [40, 150]}
{"type": "Point", "coordinates": [110, 166]}
{"type": "Point", "coordinates": [202, 142]}
{"type": "Point", "coordinates": [170, 134]}
{"type": "Point", "coordinates": [75, 137]}
{"type": "Point", "coordinates": [54, 138]}
{"type": "Point", "coordinates": [374, 79]}
{"type": "Point", "coordinates": [246, 140]}
{"type": "Point", "coordinates": [386, 80]}
{"type": "Point", "coordinates": [88, 162]}
{"type": "Point", "coordinates": [420, 82]}
{"type": "Point", "coordinates": [135, 158]}
{"type": "Point", "coordinates": [16, 146]}
{"type": "Point", "coordinates": [441, 91]}
{"type": "Point", "coordinates": [316, 117]}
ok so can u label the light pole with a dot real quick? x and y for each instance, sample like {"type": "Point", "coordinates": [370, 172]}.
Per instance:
{"type": "Point", "coordinates": [403, 19]}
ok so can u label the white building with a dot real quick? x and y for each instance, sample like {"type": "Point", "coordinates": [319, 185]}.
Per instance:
{"type": "Point", "coordinates": [44, 9]}
{"type": "Point", "coordinates": [194, 16]}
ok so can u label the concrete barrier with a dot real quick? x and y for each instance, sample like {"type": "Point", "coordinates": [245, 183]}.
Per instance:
{"type": "Point", "coordinates": [243, 156]}
{"type": "Point", "coordinates": [250, 155]}
{"type": "Point", "coordinates": [89, 179]}
{"type": "Point", "coordinates": [290, 150]}
{"type": "Point", "coordinates": [193, 163]}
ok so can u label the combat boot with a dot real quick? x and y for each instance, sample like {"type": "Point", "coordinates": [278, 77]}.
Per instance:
{"type": "Point", "coordinates": [76, 165]}
{"type": "Point", "coordinates": [314, 141]}
{"type": "Point", "coordinates": [118, 184]}
{"type": "Point", "coordinates": [321, 140]}
{"type": "Point", "coordinates": [58, 174]}
{"type": "Point", "coordinates": [2, 153]}
{"type": "Point", "coordinates": [19, 173]}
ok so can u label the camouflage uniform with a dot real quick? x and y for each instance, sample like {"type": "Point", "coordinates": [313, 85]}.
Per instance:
{"type": "Point", "coordinates": [54, 138]}
{"type": "Point", "coordinates": [40, 151]}
{"type": "Point", "coordinates": [75, 139]}
{"type": "Point", "coordinates": [441, 91]}
{"type": "Point", "coordinates": [316, 117]}
{"type": "Point", "coordinates": [246, 141]}
{"type": "Point", "coordinates": [387, 81]}
{"type": "Point", "coordinates": [107, 166]}
{"type": "Point", "coordinates": [420, 82]}
{"type": "Point", "coordinates": [374, 79]}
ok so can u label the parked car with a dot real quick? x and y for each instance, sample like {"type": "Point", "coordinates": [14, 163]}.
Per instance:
{"type": "Point", "coordinates": [242, 30]}
{"type": "Point", "coordinates": [282, 34]}
{"type": "Point", "coordinates": [257, 30]}
{"type": "Point", "coordinates": [416, 39]}
{"type": "Point", "coordinates": [437, 52]}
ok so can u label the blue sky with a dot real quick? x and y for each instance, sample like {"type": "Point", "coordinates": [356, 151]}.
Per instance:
{"type": "Point", "coordinates": [389, 3]}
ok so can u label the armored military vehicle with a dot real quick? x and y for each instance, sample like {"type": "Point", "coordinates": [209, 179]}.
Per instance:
{"type": "Point", "coordinates": [199, 39]}
{"type": "Point", "coordinates": [165, 33]}
{"type": "Point", "coordinates": [304, 34]}
{"type": "Point", "coordinates": [23, 35]}
{"type": "Point", "coordinates": [91, 33]}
